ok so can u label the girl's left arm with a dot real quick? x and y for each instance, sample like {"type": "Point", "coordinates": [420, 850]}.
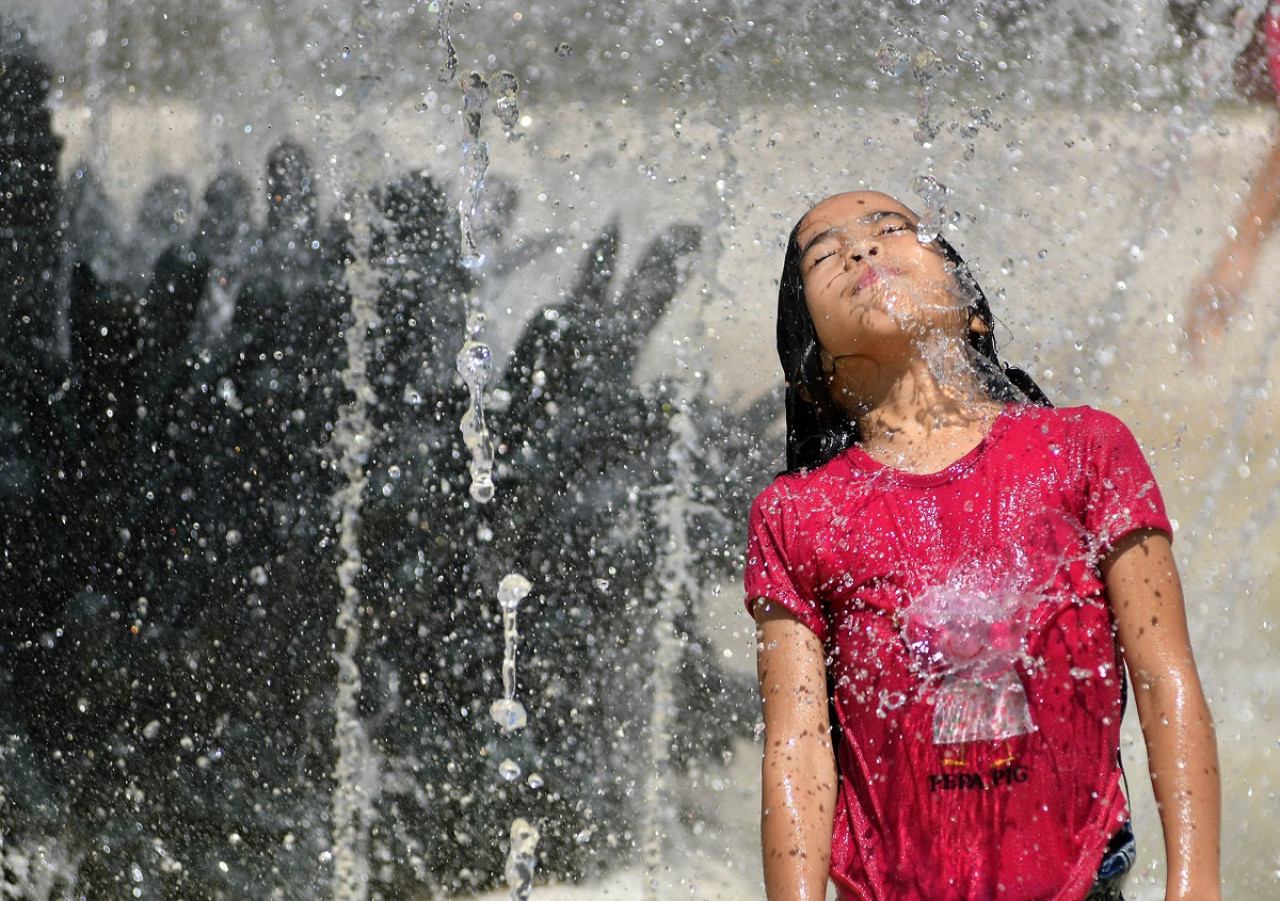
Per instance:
{"type": "Point", "coordinates": [1151, 625]}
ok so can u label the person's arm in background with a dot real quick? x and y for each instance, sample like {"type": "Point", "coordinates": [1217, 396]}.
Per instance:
{"type": "Point", "coordinates": [1151, 625]}
{"type": "Point", "coordinates": [1219, 293]}
{"type": "Point", "coordinates": [798, 767]}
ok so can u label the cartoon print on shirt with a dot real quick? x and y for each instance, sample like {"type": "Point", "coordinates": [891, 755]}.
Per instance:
{"type": "Point", "coordinates": [966, 636]}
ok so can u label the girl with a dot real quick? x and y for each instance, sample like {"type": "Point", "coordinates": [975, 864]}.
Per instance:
{"type": "Point", "coordinates": [947, 581]}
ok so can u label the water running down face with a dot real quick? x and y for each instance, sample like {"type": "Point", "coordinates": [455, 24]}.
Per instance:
{"type": "Point", "coordinates": [873, 289]}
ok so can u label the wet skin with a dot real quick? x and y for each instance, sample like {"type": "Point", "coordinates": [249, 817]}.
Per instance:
{"type": "Point", "coordinates": [881, 301]}
{"type": "Point", "coordinates": [872, 286]}
{"type": "Point", "coordinates": [891, 325]}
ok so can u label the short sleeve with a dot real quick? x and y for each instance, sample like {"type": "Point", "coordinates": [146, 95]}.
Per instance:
{"type": "Point", "coordinates": [1123, 494]}
{"type": "Point", "coordinates": [779, 568]}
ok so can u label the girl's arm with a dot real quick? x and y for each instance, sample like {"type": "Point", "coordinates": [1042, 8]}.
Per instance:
{"type": "Point", "coordinates": [799, 772]}
{"type": "Point", "coordinates": [1151, 624]}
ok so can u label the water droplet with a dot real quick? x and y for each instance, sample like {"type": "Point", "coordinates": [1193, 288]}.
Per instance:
{"type": "Point", "coordinates": [891, 60]}
{"type": "Point", "coordinates": [509, 770]}
{"type": "Point", "coordinates": [513, 589]}
{"type": "Point", "coordinates": [505, 88]}
{"type": "Point", "coordinates": [475, 365]}
{"type": "Point", "coordinates": [926, 65]}
{"type": "Point", "coordinates": [508, 714]}
{"type": "Point", "coordinates": [934, 194]}
{"type": "Point", "coordinates": [521, 859]}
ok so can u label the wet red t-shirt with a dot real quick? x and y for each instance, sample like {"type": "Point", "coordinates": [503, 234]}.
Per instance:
{"type": "Point", "coordinates": [971, 651]}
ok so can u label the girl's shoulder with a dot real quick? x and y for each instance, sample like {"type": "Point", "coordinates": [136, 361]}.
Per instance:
{"type": "Point", "coordinates": [805, 488]}
{"type": "Point", "coordinates": [1083, 421]}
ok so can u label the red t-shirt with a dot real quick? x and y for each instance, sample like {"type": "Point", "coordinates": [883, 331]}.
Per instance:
{"type": "Point", "coordinates": [970, 644]}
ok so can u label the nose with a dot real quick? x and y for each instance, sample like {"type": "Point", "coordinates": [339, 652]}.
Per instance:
{"type": "Point", "coordinates": [857, 251]}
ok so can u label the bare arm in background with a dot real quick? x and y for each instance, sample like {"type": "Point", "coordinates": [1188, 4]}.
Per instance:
{"type": "Point", "coordinates": [1218, 295]}
{"type": "Point", "coordinates": [1151, 624]}
{"type": "Point", "coordinates": [798, 769]}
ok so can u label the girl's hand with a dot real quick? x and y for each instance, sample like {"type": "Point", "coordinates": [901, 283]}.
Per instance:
{"type": "Point", "coordinates": [1151, 625]}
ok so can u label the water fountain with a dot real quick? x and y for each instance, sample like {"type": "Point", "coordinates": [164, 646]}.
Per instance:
{"type": "Point", "coordinates": [260, 635]}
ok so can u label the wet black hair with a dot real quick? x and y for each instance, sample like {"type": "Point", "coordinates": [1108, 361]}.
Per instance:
{"type": "Point", "coordinates": [817, 428]}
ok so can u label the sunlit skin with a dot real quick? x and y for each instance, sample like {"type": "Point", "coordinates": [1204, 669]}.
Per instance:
{"type": "Point", "coordinates": [881, 335]}
{"type": "Point", "coordinates": [891, 327]}
{"type": "Point", "coordinates": [1218, 296]}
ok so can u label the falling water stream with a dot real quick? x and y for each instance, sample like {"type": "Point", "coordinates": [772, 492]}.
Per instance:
{"type": "Point", "coordinates": [279, 503]}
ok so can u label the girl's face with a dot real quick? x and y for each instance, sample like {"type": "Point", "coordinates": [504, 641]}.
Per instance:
{"type": "Point", "coordinates": [871, 286]}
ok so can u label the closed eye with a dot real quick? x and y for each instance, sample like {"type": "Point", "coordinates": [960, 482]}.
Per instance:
{"type": "Point", "coordinates": [825, 255]}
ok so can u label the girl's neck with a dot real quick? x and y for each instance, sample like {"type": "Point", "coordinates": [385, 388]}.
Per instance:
{"type": "Point", "coordinates": [920, 417]}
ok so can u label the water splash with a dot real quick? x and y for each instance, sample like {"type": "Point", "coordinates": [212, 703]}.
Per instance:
{"type": "Point", "coordinates": [507, 712]}
{"type": "Point", "coordinates": [475, 163]}
{"type": "Point", "coordinates": [505, 89]}
{"type": "Point", "coordinates": [926, 64]}
{"type": "Point", "coordinates": [521, 859]}
{"type": "Point", "coordinates": [450, 67]}
{"type": "Point", "coordinates": [475, 364]}
{"type": "Point", "coordinates": [678, 580]}
{"type": "Point", "coordinates": [1213, 60]}
{"type": "Point", "coordinates": [355, 775]}
{"type": "Point", "coordinates": [935, 194]}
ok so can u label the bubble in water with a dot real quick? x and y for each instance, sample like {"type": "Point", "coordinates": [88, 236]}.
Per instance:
{"type": "Point", "coordinates": [563, 50]}
{"type": "Point", "coordinates": [508, 714]}
{"type": "Point", "coordinates": [890, 60]}
{"type": "Point", "coordinates": [509, 770]}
